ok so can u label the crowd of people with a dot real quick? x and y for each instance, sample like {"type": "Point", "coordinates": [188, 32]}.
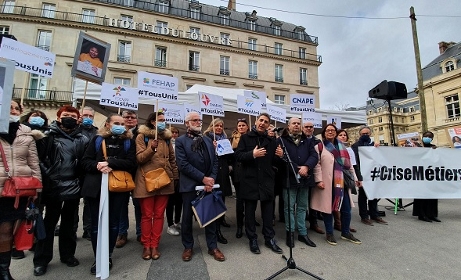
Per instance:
{"type": "Point", "coordinates": [69, 156]}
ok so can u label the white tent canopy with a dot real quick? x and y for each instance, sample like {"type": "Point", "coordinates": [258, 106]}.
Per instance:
{"type": "Point", "coordinates": [229, 98]}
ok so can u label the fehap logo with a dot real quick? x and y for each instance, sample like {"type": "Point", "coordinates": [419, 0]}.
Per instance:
{"type": "Point", "coordinates": [146, 81]}
{"type": "Point", "coordinates": [118, 91]}
{"type": "Point", "coordinates": [205, 99]}
{"type": "Point", "coordinates": [254, 95]}
{"type": "Point", "coordinates": [248, 102]}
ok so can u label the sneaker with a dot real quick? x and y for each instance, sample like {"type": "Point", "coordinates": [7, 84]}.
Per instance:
{"type": "Point", "coordinates": [121, 241]}
{"type": "Point", "coordinates": [331, 239]}
{"type": "Point", "coordinates": [172, 230]}
{"type": "Point", "coordinates": [178, 226]}
{"type": "Point", "coordinates": [351, 238]}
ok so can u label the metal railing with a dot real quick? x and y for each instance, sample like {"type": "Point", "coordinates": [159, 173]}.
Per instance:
{"type": "Point", "coordinates": [253, 76]}
{"type": "Point", "coordinates": [303, 82]}
{"type": "Point", "coordinates": [160, 63]}
{"type": "Point", "coordinates": [194, 67]}
{"type": "Point", "coordinates": [43, 95]}
{"type": "Point", "coordinates": [224, 72]}
{"type": "Point", "coordinates": [43, 47]}
{"type": "Point", "coordinates": [124, 58]}
{"type": "Point", "coordinates": [279, 79]}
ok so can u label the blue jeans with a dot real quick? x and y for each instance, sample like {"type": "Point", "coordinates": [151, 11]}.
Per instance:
{"type": "Point", "coordinates": [124, 221]}
{"type": "Point", "coordinates": [298, 196]}
{"type": "Point", "coordinates": [345, 216]}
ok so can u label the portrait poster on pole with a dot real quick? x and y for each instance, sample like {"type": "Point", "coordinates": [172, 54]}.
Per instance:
{"type": "Point", "coordinates": [28, 58]}
{"type": "Point", "coordinates": [119, 96]}
{"type": "Point", "coordinates": [410, 139]}
{"type": "Point", "coordinates": [90, 59]}
{"type": "Point", "coordinates": [454, 134]}
{"type": "Point", "coordinates": [248, 105]}
{"type": "Point", "coordinates": [6, 92]}
{"type": "Point", "coordinates": [211, 104]}
{"type": "Point", "coordinates": [156, 86]}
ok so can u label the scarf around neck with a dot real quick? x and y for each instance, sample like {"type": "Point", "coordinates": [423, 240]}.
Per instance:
{"type": "Point", "coordinates": [197, 138]}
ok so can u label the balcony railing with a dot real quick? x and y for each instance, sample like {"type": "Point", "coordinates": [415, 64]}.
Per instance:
{"type": "Point", "coordinates": [160, 63]}
{"type": "Point", "coordinates": [224, 72]}
{"type": "Point", "coordinates": [43, 95]}
{"type": "Point", "coordinates": [23, 11]}
{"type": "Point", "coordinates": [303, 82]}
{"type": "Point", "coordinates": [43, 47]}
{"type": "Point", "coordinates": [124, 58]}
{"type": "Point", "coordinates": [194, 67]}
{"type": "Point", "coordinates": [253, 76]}
{"type": "Point", "coordinates": [279, 79]}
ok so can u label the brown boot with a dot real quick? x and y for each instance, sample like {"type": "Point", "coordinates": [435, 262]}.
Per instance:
{"type": "Point", "coordinates": [121, 241]}
{"type": "Point", "coordinates": [337, 217]}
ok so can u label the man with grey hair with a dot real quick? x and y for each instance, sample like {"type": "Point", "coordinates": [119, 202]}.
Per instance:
{"type": "Point", "coordinates": [198, 165]}
{"type": "Point", "coordinates": [372, 210]}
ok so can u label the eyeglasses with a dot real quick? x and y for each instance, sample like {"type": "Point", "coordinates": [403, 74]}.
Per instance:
{"type": "Point", "coordinates": [196, 120]}
{"type": "Point", "coordinates": [309, 126]}
{"type": "Point", "coordinates": [130, 117]}
{"type": "Point", "coordinates": [330, 130]}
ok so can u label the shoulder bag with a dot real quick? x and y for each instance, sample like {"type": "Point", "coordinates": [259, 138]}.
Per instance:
{"type": "Point", "coordinates": [119, 181]}
{"type": "Point", "coordinates": [155, 179]}
{"type": "Point", "coordinates": [18, 186]}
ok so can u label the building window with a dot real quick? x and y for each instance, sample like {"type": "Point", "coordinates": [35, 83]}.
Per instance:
{"type": "Point", "coordinates": [160, 26]}
{"type": "Point", "coordinates": [279, 73]}
{"type": "Point", "coordinates": [224, 19]}
{"type": "Point", "coordinates": [303, 76]}
{"type": "Point", "coordinates": [8, 6]}
{"type": "Point", "coordinates": [128, 3]}
{"type": "Point", "coordinates": [44, 40]}
{"type": "Point", "coordinates": [279, 99]}
{"type": "Point", "coordinates": [124, 51]}
{"type": "Point", "coordinates": [122, 81]}
{"type": "Point", "coordinates": [452, 105]}
{"type": "Point", "coordinates": [300, 34]}
{"type": "Point", "coordinates": [412, 118]}
{"type": "Point", "coordinates": [4, 29]}
{"type": "Point", "coordinates": [252, 44]}
{"type": "Point", "coordinates": [278, 48]}
{"type": "Point", "coordinates": [449, 66]}
{"type": "Point", "coordinates": [370, 121]}
{"type": "Point", "coordinates": [48, 10]}
{"type": "Point", "coordinates": [163, 7]}
{"type": "Point", "coordinates": [225, 39]}
{"type": "Point", "coordinates": [126, 18]}
{"type": "Point", "coordinates": [380, 128]}
{"type": "Point", "coordinates": [412, 109]}
{"type": "Point", "coordinates": [195, 13]}
{"type": "Point", "coordinates": [160, 57]}
{"type": "Point", "coordinates": [403, 120]}
{"type": "Point", "coordinates": [302, 53]}
{"type": "Point", "coordinates": [252, 69]}
{"type": "Point", "coordinates": [277, 30]}
{"type": "Point", "coordinates": [380, 119]}
{"type": "Point", "coordinates": [224, 65]}
{"type": "Point", "coordinates": [252, 25]}
{"type": "Point", "coordinates": [37, 87]}
{"type": "Point", "coordinates": [88, 16]}
{"type": "Point", "coordinates": [194, 61]}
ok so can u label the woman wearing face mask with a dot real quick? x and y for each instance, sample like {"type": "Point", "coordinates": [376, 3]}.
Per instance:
{"type": "Point", "coordinates": [21, 156]}
{"type": "Point", "coordinates": [120, 156]}
{"type": "Point", "coordinates": [151, 154]}
{"type": "Point", "coordinates": [215, 132]}
{"type": "Point", "coordinates": [426, 209]}
{"type": "Point", "coordinates": [242, 128]}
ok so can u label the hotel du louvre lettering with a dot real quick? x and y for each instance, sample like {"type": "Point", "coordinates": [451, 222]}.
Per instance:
{"type": "Point", "coordinates": [178, 33]}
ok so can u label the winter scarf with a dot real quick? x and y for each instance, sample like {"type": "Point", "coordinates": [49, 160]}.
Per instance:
{"type": "Point", "coordinates": [197, 140]}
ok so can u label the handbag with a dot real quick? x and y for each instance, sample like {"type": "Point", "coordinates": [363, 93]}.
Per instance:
{"type": "Point", "coordinates": [119, 181]}
{"type": "Point", "coordinates": [156, 179]}
{"type": "Point", "coordinates": [16, 186]}
{"type": "Point", "coordinates": [24, 233]}
{"type": "Point", "coordinates": [208, 207]}
{"type": "Point", "coordinates": [349, 181]}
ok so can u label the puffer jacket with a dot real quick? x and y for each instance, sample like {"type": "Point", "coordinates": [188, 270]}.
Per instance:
{"type": "Point", "coordinates": [149, 160]}
{"type": "Point", "coordinates": [21, 156]}
{"type": "Point", "coordinates": [61, 163]}
{"type": "Point", "coordinates": [119, 159]}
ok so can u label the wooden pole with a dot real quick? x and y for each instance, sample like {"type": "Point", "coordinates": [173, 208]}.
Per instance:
{"type": "Point", "coordinates": [156, 116]}
{"type": "Point", "coordinates": [23, 92]}
{"type": "Point", "coordinates": [214, 132]}
{"type": "Point", "coordinates": [84, 95]}
{"type": "Point", "coordinates": [249, 121]}
{"type": "Point", "coordinates": [118, 110]}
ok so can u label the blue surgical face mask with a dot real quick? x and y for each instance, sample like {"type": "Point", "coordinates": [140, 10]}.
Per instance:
{"type": "Point", "coordinates": [37, 121]}
{"type": "Point", "coordinates": [427, 140]}
{"type": "Point", "coordinates": [118, 129]}
{"type": "Point", "coordinates": [87, 121]}
{"type": "Point", "coordinates": [161, 125]}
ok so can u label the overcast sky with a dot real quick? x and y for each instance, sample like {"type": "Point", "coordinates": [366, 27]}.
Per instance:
{"type": "Point", "coordinates": [359, 53]}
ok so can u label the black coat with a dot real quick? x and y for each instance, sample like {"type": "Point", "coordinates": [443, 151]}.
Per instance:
{"type": "Point", "coordinates": [89, 131]}
{"type": "Point", "coordinates": [355, 148]}
{"type": "Point", "coordinates": [223, 178]}
{"type": "Point", "coordinates": [118, 159]}
{"type": "Point", "coordinates": [257, 178]}
{"type": "Point", "coordinates": [61, 163]}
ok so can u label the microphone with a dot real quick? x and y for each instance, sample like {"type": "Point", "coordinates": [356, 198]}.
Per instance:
{"type": "Point", "coordinates": [277, 129]}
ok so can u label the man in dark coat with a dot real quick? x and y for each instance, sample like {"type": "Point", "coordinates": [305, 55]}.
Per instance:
{"type": "Point", "coordinates": [257, 152]}
{"type": "Point", "coordinates": [61, 187]}
{"type": "Point", "coordinates": [198, 165]}
{"type": "Point", "coordinates": [304, 158]}
{"type": "Point", "coordinates": [372, 210]}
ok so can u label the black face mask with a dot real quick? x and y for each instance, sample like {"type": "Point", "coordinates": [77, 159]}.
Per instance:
{"type": "Point", "coordinates": [69, 123]}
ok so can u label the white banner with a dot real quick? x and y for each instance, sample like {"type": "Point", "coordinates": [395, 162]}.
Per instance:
{"type": "Point", "coordinates": [155, 86]}
{"type": "Point", "coordinates": [395, 172]}
{"type": "Point", "coordinates": [314, 118]}
{"type": "Point", "coordinates": [336, 121]}
{"type": "Point", "coordinates": [211, 104]}
{"type": "Point", "coordinates": [248, 105]}
{"type": "Point", "coordinates": [277, 114]}
{"type": "Point", "coordinates": [28, 58]}
{"type": "Point", "coordinates": [119, 96]}
{"type": "Point", "coordinates": [259, 95]}
{"type": "Point", "coordinates": [174, 114]}
{"type": "Point", "coordinates": [301, 102]}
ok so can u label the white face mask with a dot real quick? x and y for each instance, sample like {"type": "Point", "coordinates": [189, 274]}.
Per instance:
{"type": "Point", "coordinates": [14, 118]}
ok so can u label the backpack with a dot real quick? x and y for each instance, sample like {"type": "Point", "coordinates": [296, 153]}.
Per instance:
{"type": "Point", "coordinates": [98, 143]}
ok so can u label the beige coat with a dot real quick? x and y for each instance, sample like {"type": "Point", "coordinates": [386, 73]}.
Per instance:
{"type": "Point", "coordinates": [150, 160]}
{"type": "Point", "coordinates": [21, 156]}
{"type": "Point", "coordinates": [321, 199]}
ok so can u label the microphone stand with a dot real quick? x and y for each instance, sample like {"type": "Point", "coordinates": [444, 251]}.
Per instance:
{"type": "Point", "coordinates": [291, 264]}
